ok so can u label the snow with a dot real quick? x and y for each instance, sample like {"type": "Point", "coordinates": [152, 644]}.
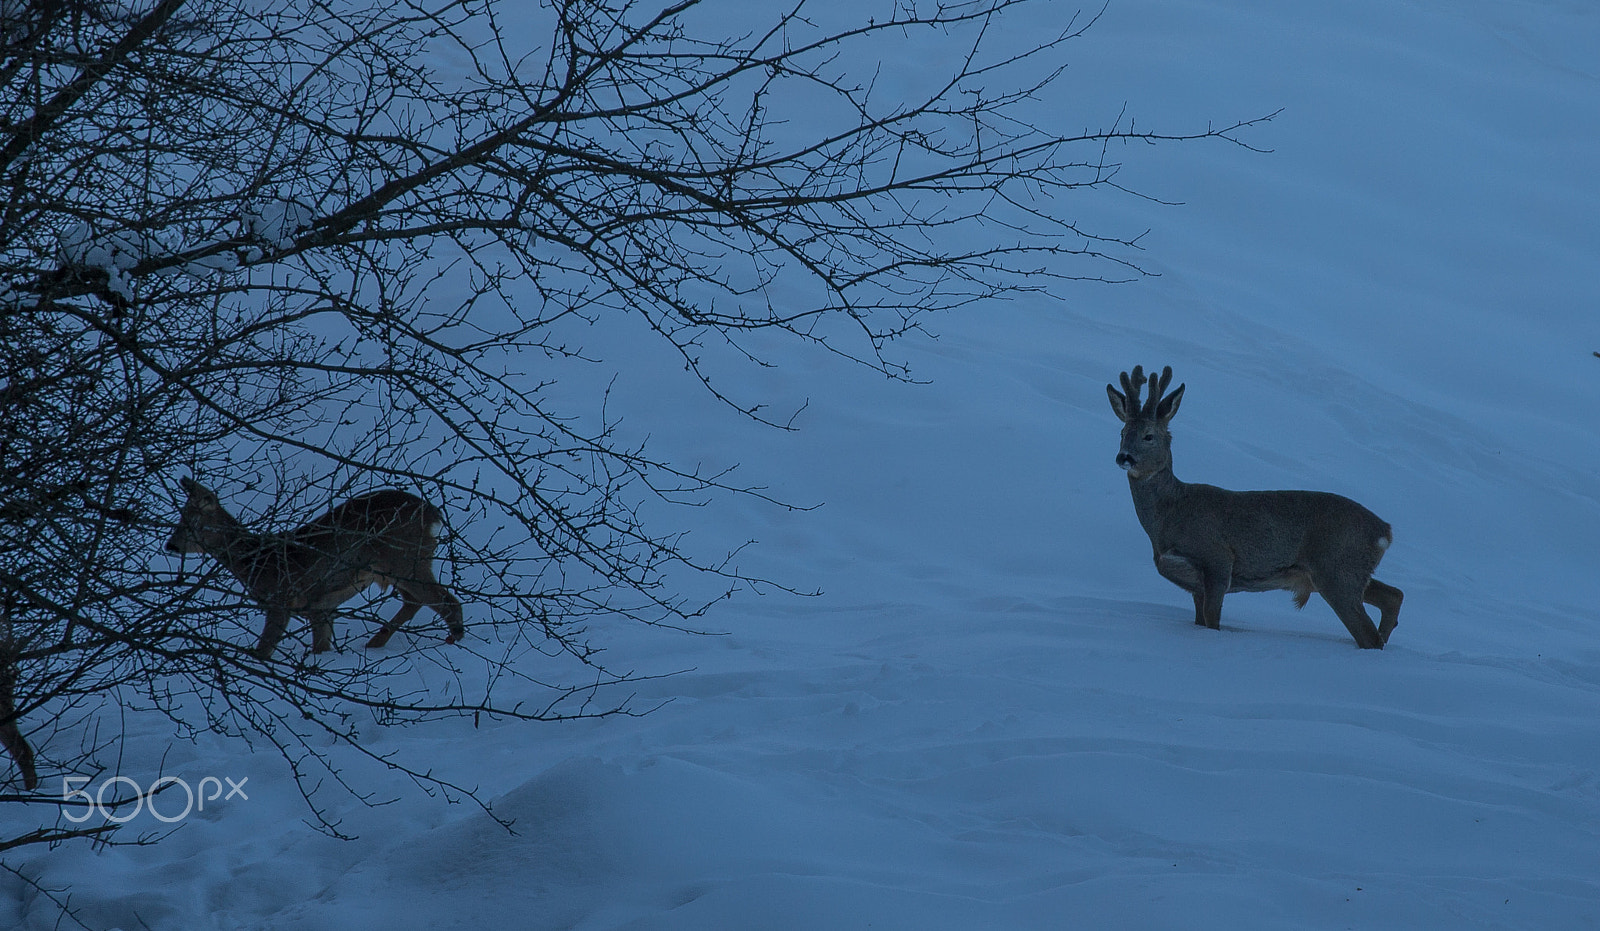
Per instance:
{"type": "Point", "coordinates": [274, 222]}
{"type": "Point", "coordinates": [997, 715]}
{"type": "Point", "coordinates": [112, 253]}
{"type": "Point", "coordinates": [277, 222]}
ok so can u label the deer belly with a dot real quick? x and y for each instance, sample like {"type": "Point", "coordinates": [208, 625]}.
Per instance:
{"type": "Point", "coordinates": [328, 598]}
{"type": "Point", "coordinates": [1291, 579]}
{"type": "Point", "coordinates": [1182, 571]}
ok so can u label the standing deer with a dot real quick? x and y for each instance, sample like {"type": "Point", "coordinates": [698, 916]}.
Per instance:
{"type": "Point", "coordinates": [386, 537]}
{"type": "Point", "coordinates": [1210, 541]}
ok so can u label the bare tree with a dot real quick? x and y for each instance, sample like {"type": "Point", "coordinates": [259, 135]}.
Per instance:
{"type": "Point", "coordinates": [307, 249]}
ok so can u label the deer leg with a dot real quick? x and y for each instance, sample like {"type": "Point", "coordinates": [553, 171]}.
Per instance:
{"type": "Point", "coordinates": [448, 606]}
{"type": "Point", "coordinates": [10, 735]}
{"type": "Point", "coordinates": [407, 611]}
{"type": "Point", "coordinates": [1386, 598]}
{"type": "Point", "coordinates": [271, 632]}
{"type": "Point", "coordinates": [417, 595]}
{"type": "Point", "coordinates": [1345, 600]}
{"type": "Point", "coordinates": [21, 753]}
{"type": "Point", "coordinates": [1214, 584]}
{"type": "Point", "coordinates": [321, 631]}
{"type": "Point", "coordinates": [1180, 571]}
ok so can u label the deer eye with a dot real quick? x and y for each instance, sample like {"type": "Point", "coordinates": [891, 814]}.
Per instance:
{"type": "Point", "coordinates": [1149, 436]}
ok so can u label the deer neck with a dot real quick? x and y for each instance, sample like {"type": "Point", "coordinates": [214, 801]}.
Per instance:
{"type": "Point", "coordinates": [236, 546]}
{"type": "Point", "coordinates": [1151, 494]}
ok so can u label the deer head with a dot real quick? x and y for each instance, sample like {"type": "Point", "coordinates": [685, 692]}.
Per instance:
{"type": "Point", "coordinates": [203, 524]}
{"type": "Point", "coordinates": [1146, 443]}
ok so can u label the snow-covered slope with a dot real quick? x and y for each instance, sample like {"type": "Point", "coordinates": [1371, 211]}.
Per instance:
{"type": "Point", "coordinates": [998, 715]}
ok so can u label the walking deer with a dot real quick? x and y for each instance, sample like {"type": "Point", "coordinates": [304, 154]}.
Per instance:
{"type": "Point", "coordinates": [387, 537]}
{"type": "Point", "coordinates": [1210, 541]}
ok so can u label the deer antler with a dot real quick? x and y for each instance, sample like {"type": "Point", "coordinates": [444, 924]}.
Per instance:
{"type": "Point", "coordinates": [1131, 385]}
{"type": "Point", "coordinates": [1158, 386]}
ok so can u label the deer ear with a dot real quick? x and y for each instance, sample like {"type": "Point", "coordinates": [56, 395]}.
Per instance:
{"type": "Point", "coordinates": [1119, 403]}
{"type": "Point", "coordinates": [1169, 405]}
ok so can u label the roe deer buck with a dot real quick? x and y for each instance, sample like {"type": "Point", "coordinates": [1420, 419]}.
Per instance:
{"type": "Point", "coordinates": [1210, 541]}
{"type": "Point", "coordinates": [386, 537]}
